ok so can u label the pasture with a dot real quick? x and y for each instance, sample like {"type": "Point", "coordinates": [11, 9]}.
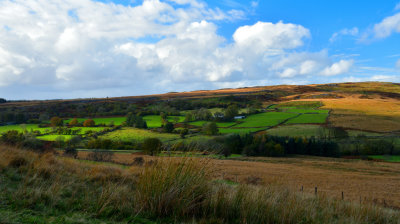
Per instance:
{"type": "Point", "coordinates": [306, 111]}
{"type": "Point", "coordinates": [134, 134]}
{"type": "Point", "coordinates": [154, 121]}
{"type": "Point", "coordinates": [55, 137]}
{"type": "Point", "coordinates": [265, 119]}
{"type": "Point", "coordinates": [309, 119]}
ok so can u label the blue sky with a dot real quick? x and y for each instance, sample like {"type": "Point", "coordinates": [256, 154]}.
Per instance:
{"type": "Point", "coordinates": [85, 48]}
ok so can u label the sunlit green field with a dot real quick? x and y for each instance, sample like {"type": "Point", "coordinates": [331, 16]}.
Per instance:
{"type": "Point", "coordinates": [134, 134]}
{"type": "Point", "coordinates": [154, 121]}
{"type": "Point", "coordinates": [54, 137]}
{"type": "Point", "coordinates": [23, 127]}
{"type": "Point", "coordinates": [309, 119]}
{"type": "Point", "coordinates": [265, 119]}
{"type": "Point", "coordinates": [219, 124]}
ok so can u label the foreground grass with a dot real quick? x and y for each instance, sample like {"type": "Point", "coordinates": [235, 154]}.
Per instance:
{"type": "Point", "coordinates": [48, 189]}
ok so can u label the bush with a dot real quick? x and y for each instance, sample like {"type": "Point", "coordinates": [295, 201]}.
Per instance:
{"type": "Point", "coordinates": [89, 123]}
{"type": "Point", "coordinates": [152, 146]}
{"type": "Point", "coordinates": [168, 127]}
{"type": "Point", "coordinates": [12, 137]}
{"type": "Point", "coordinates": [73, 122]}
{"type": "Point", "coordinates": [210, 128]}
{"type": "Point", "coordinates": [71, 152]}
{"type": "Point", "coordinates": [105, 156]}
{"type": "Point", "coordinates": [56, 122]}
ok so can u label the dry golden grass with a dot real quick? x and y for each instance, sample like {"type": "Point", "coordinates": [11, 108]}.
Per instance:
{"type": "Point", "coordinates": [178, 189]}
{"type": "Point", "coordinates": [374, 182]}
{"type": "Point", "coordinates": [375, 106]}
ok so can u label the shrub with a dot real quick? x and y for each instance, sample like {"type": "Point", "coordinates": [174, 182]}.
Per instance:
{"type": "Point", "coordinates": [210, 128]}
{"type": "Point", "coordinates": [152, 146]}
{"type": "Point", "coordinates": [100, 156]}
{"type": "Point", "coordinates": [73, 122]}
{"type": "Point", "coordinates": [12, 137]}
{"type": "Point", "coordinates": [89, 123]}
{"type": "Point", "coordinates": [168, 127]}
{"type": "Point", "coordinates": [71, 152]}
{"type": "Point", "coordinates": [56, 122]}
{"type": "Point", "coordinates": [138, 161]}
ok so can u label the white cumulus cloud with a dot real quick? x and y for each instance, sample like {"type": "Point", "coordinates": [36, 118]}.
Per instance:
{"type": "Point", "coordinates": [387, 26]}
{"type": "Point", "coordinates": [338, 68]}
{"type": "Point", "coordinates": [85, 48]}
{"type": "Point", "coordinates": [261, 36]}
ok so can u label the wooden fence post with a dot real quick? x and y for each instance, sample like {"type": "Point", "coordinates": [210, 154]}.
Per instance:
{"type": "Point", "coordinates": [316, 190]}
{"type": "Point", "coordinates": [342, 196]}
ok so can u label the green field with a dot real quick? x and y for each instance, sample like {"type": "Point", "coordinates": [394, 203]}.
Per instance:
{"type": "Point", "coordinates": [239, 130]}
{"type": "Point", "coordinates": [134, 134]}
{"type": "Point", "coordinates": [219, 124]}
{"type": "Point", "coordinates": [54, 137]}
{"type": "Point", "coordinates": [154, 121]}
{"type": "Point", "coordinates": [306, 111]}
{"type": "Point", "coordinates": [22, 127]}
{"type": "Point", "coordinates": [309, 119]}
{"type": "Point", "coordinates": [265, 119]}
{"type": "Point", "coordinates": [295, 130]}
{"type": "Point", "coordinates": [387, 158]}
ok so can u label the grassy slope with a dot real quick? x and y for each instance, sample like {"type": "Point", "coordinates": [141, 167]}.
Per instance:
{"type": "Point", "coordinates": [55, 190]}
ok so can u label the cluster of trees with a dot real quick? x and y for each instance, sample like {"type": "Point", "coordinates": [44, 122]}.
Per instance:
{"type": "Point", "coordinates": [19, 139]}
{"type": "Point", "coordinates": [204, 114]}
{"type": "Point", "coordinates": [136, 121]}
{"type": "Point", "coordinates": [13, 118]}
{"type": "Point", "coordinates": [66, 131]}
{"type": "Point", "coordinates": [362, 146]}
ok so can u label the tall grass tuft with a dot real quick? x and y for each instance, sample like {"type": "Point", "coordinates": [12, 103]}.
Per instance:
{"type": "Point", "coordinates": [171, 188]}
